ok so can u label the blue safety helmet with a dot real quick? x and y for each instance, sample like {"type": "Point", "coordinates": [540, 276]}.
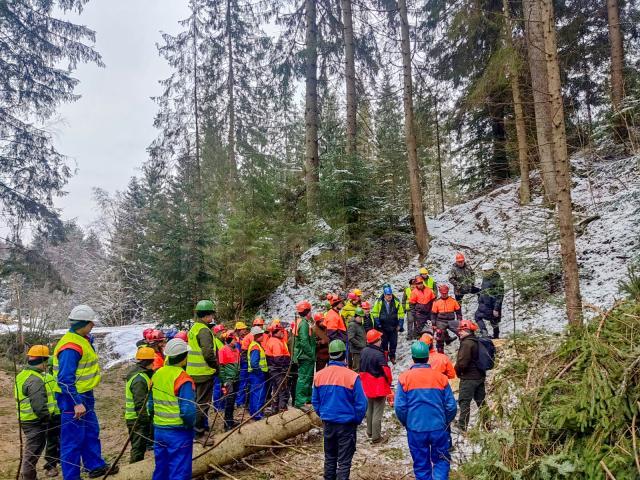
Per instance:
{"type": "Point", "coordinates": [170, 332]}
{"type": "Point", "coordinates": [387, 290]}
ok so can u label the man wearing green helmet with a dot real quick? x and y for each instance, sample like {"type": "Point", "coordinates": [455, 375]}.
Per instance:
{"type": "Point", "coordinates": [425, 406]}
{"type": "Point", "coordinates": [202, 363]}
{"type": "Point", "coordinates": [339, 400]}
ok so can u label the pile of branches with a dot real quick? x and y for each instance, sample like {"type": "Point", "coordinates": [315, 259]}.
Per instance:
{"type": "Point", "coordinates": [576, 411]}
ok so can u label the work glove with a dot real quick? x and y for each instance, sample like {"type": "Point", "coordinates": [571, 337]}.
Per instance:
{"type": "Point", "coordinates": [390, 398]}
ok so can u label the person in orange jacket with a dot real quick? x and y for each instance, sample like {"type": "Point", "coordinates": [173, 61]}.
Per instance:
{"type": "Point", "coordinates": [333, 321]}
{"type": "Point", "coordinates": [420, 303]}
{"type": "Point", "coordinates": [438, 361]}
{"type": "Point", "coordinates": [278, 360]}
{"type": "Point", "coordinates": [445, 315]}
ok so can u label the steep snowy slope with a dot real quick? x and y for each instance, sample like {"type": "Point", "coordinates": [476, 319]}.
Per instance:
{"type": "Point", "coordinates": [606, 196]}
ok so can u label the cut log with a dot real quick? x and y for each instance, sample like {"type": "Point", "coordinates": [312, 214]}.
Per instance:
{"type": "Point", "coordinates": [251, 438]}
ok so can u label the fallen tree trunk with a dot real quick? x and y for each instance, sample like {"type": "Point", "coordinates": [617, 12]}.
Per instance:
{"type": "Point", "coordinates": [228, 448]}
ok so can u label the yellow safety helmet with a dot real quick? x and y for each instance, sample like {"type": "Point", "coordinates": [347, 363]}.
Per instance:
{"type": "Point", "coordinates": [424, 271]}
{"type": "Point", "coordinates": [241, 326]}
{"type": "Point", "coordinates": [145, 353]}
{"type": "Point", "coordinates": [38, 351]}
{"type": "Point", "coordinates": [357, 291]}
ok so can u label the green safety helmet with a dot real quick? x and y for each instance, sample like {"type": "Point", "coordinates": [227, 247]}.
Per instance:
{"type": "Point", "coordinates": [205, 306]}
{"type": "Point", "coordinates": [359, 312]}
{"type": "Point", "coordinates": [337, 346]}
{"type": "Point", "coordinates": [419, 350]}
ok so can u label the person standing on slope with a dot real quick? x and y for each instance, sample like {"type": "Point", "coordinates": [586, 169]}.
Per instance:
{"type": "Point", "coordinates": [304, 354]}
{"type": "Point", "coordinates": [472, 378]}
{"type": "Point", "coordinates": [172, 404]}
{"type": "Point", "coordinates": [357, 340]}
{"type": "Point", "coordinates": [339, 400]}
{"type": "Point", "coordinates": [420, 302]}
{"type": "Point", "coordinates": [77, 371]}
{"type": "Point", "coordinates": [229, 362]}
{"type": "Point", "coordinates": [429, 282]}
{"type": "Point", "coordinates": [406, 294]}
{"type": "Point", "coordinates": [388, 317]}
{"type": "Point", "coordinates": [445, 315]}
{"type": "Point", "coordinates": [202, 362]}
{"type": "Point", "coordinates": [278, 360]}
{"type": "Point", "coordinates": [353, 301]}
{"type": "Point", "coordinates": [376, 378]}
{"type": "Point", "coordinates": [258, 370]}
{"type": "Point", "coordinates": [490, 300]}
{"type": "Point", "coordinates": [136, 393]}
{"type": "Point", "coordinates": [333, 321]}
{"type": "Point", "coordinates": [367, 321]}
{"type": "Point", "coordinates": [440, 362]}
{"type": "Point", "coordinates": [245, 341]}
{"type": "Point", "coordinates": [462, 277]}
{"type": "Point", "coordinates": [218, 343]}
{"type": "Point", "coordinates": [425, 406]}
{"type": "Point", "coordinates": [35, 397]}
{"type": "Point", "coordinates": [322, 341]}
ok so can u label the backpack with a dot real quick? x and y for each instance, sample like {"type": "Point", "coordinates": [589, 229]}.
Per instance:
{"type": "Point", "coordinates": [486, 353]}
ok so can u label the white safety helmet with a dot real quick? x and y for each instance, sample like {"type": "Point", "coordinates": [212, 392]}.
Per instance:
{"type": "Point", "coordinates": [83, 313]}
{"type": "Point", "coordinates": [175, 347]}
{"type": "Point", "coordinates": [256, 331]}
{"type": "Point", "coordinates": [488, 266]}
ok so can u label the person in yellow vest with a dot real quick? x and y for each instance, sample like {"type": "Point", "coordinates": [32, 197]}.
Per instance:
{"type": "Point", "coordinates": [136, 394]}
{"type": "Point", "coordinates": [52, 450]}
{"type": "Point", "coordinates": [76, 369]}
{"type": "Point", "coordinates": [36, 404]}
{"type": "Point", "coordinates": [202, 363]}
{"type": "Point", "coordinates": [258, 370]}
{"type": "Point", "coordinates": [172, 405]}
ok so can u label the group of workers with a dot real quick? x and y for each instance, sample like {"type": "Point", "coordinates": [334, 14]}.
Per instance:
{"type": "Point", "coordinates": [334, 362]}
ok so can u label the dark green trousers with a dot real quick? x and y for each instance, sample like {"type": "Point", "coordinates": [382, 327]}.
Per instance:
{"type": "Point", "coordinates": [140, 438]}
{"type": "Point", "coordinates": [469, 390]}
{"type": "Point", "coordinates": [305, 382]}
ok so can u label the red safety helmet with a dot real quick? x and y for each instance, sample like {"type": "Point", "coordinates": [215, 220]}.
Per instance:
{"type": "Point", "coordinates": [352, 296]}
{"type": "Point", "coordinates": [459, 257]}
{"type": "Point", "coordinates": [182, 335]}
{"type": "Point", "coordinates": [467, 325]}
{"type": "Point", "coordinates": [333, 299]}
{"type": "Point", "coordinates": [373, 336]}
{"type": "Point", "coordinates": [318, 317]}
{"type": "Point", "coordinates": [366, 306]}
{"type": "Point", "coordinates": [146, 333]}
{"type": "Point", "coordinates": [156, 336]}
{"type": "Point", "coordinates": [303, 306]}
{"type": "Point", "coordinates": [443, 288]}
{"type": "Point", "coordinates": [258, 322]}
{"type": "Point", "coordinates": [419, 279]}
{"type": "Point", "coordinates": [219, 328]}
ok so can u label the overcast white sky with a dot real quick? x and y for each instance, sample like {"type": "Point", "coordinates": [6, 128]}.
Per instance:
{"type": "Point", "coordinates": [106, 132]}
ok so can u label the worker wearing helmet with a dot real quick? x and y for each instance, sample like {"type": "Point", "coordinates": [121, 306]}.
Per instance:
{"type": "Point", "coordinates": [258, 370]}
{"type": "Point", "coordinates": [202, 363]}
{"type": "Point", "coordinates": [388, 317]}
{"type": "Point", "coordinates": [357, 341]}
{"type": "Point", "coordinates": [420, 302]}
{"type": "Point", "coordinates": [406, 294]}
{"type": "Point", "coordinates": [425, 406]}
{"type": "Point", "coordinates": [146, 335]}
{"type": "Point", "coordinates": [339, 400]}
{"type": "Point", "coordinates": [490, 300]}
{"type": "Point", "coordinates": [472, 378]}
{"type": "Point", "coordinates": [157, 341]}
{"type": "Point", "coordinates": [322, 341]}
{"type": "Point", "coordinates": [367, 321]}
{"type": "Point", "coordinates": [229, 360]}
{"type": "Point", "coordinates": [77, 371]}
{"type": "Point", "coordinates": [349, 309]}
{"type": "Point", "coordinates": [278, 360]}
{"type": "Point", "coordinates": [245, 341]}
{"type": "Point", "coordinates": [35, 397]}
{"type": "Point", "coordinates": [438, 361]}
{"type": "Point", "coordinates": [333, 321]}
{"type": "Point", "coordinates": [445, 315]}
{"type": "Point", "coordinates": [218, 401]}
{"type": "Point", "coordinates": [429, 282]}
{"type": "Point", "coordinates": [304, 354]}
{"type": "Point", "coordinates": [136, 392]}
{"type": "Point", "coordinates": [376, 378]}
{"type": "Point", "coordinates": [462, 277]}
{"type": "Point", "coordinates": [172, 404]}
{"type": "Point", "coordinates": [52, 451]}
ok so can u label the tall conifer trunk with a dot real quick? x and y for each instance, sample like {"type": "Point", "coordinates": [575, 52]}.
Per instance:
{"type": "Point", "coordinates": [539, 84]}
{"type": "Point", "coordinates": [617, 66]}
{"type": "Point", "coordinates": [312, 162]}
{"type": "Point", "coordinates": [563, 171]}
{"type": "Point", "coordinates": [521, 130]}
{"type": "Point", "coordinates": [349, 75]}
{"type": "Point", "coordinates": [417, 208]}
{"type": "Point", "coordinates": [231, 137]}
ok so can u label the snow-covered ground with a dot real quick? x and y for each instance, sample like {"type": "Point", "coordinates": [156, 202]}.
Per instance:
{"type": "Point", "coordinates": [492, 227]}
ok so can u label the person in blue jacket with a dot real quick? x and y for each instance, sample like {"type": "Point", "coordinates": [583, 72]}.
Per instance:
{"type": "Point", "coordinates": [425, 406]}
{"type": "Point", "coordinates": [339, 400]}
{"type": "Point", "coordinates": [257, 369]}
{"type": "Point", "coordinates": [172, 404]}
{"type": "Point", "coordinates": [77, 372]}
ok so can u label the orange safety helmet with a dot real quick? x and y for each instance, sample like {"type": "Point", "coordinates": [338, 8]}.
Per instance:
{"type": "Point", "coordinates": [443, 288]}
{"type": "Point", "coordinates": [427, 338]}
{"type": "Point", "coordinates": [459, 257]}
{"type": "Point", "coordinates": [303, 306]}
{"type": "Point", "coordinates": [467, 325]}
{"type": "Point", "coordinates": [373, 336]}
{"type": "Point", "coordinates": [419, 279]}
{"type": "Point", "coordinates": [258, 322]}
{"type": "Point", "coordinates": [366, 306]}
{"type": "Point", "coordinates": [333, 299]}
{"type": "Point", "coordinates": [318, 317]}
